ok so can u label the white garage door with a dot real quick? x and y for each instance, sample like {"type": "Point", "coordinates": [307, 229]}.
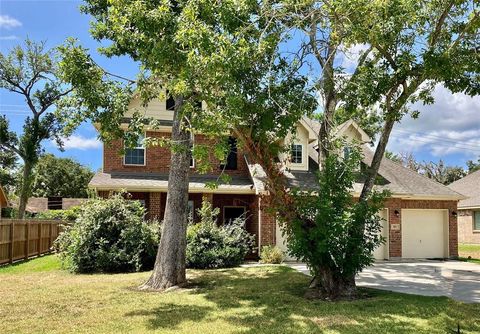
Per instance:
{"type": "Point", "coordinates": [424, 233]}
{"type": "Point", "coordinates": [381, 252]}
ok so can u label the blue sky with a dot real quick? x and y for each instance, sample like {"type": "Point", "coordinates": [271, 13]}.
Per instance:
{"type": "Point", "coordinates": [449, 129]}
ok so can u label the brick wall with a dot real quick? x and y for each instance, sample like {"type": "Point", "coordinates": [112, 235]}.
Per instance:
{"type": "Point", "coordinates": [395, 235]}
{"type": "Point", "coordinates": [395, 222]}
{"type": "Point", "coordinates": [157, 159]}
{"type": "Point", "coordinates": [465, 228]}
{"type": "Point", "coordinates": [268, 224]}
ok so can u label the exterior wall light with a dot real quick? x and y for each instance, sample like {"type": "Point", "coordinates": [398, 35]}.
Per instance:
{"type": "Point", "coordinates": [397, 213]}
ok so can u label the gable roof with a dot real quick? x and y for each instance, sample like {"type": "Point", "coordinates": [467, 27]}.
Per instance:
{"type": "Point", "coordinates": [340, 130]}
{"type": "Point", "coordinates": [400, 181]}
{"type": "Point", "coordinates": [470, 187]}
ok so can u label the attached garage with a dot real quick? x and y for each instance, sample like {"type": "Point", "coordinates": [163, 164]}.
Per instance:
{"type": "Point", "coordinates": [424, 233]}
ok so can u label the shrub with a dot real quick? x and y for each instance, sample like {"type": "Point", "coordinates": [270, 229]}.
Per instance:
{"type": "Point", "coordinates": [67, 215]}
{"type": "Point", "coordinates": [109, 236]}
{"type": "Point", "coordinates": [212, 246]}
{"type": "Point", "coordinates": [271, 255]}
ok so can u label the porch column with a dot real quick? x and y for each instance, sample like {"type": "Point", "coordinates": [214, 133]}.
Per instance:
{"type": "Point", "coordinates": [155, 205]}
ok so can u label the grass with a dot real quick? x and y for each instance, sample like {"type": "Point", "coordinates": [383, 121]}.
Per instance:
{"type": "Point", "coordinates": [469, 250]}
{"type": "Point", "coordinates": [241, 300]}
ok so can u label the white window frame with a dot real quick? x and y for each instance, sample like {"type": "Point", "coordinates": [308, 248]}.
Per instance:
{"type": "Point", "coordinates": [301, 154]}
{"type": "Point", "coordinates": [136, 148]}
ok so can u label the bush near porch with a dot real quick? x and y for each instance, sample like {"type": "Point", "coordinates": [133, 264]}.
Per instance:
{"type": "Point", "coordinates": [266, 299]}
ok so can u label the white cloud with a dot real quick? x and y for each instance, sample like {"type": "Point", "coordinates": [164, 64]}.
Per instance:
{"type": "Point", "coordinates": [351, 56]}
{"type": "Point", "coordinates": [8, 38]}
{"type": "Point", "coordinates": [8, 22]}
{"type": "Point", "coordinates": [76, 142]}
{"type": "Point", "coordinates": [450, 126]}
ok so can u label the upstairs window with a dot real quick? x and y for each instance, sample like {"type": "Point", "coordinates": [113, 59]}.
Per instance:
{"type": "Point", "coordinates": [170, 102]}
{"type": "Point", "coordinates": [296, 153]}
{"type": "Point", "coordinates": [231, 163]}
{"type": "Point", "coordinates": [476, 220]}
{"type": "Point", "coordinates": [347, 150]}
{"type": "Point", "coordinates": [135, 156]}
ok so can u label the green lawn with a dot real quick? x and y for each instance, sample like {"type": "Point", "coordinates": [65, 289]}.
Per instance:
{"type": "Point", "coordinates": [38, 297]}
{"type": "Point", "coordinates": [469, 250]}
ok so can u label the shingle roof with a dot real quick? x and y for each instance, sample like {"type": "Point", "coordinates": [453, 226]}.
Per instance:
{"type": "Point", "coordinates": [470, 187]}
{"type": "Point", "coordinates": [401, 181]}
{"type": "Point", "coordinates": [156, 181]}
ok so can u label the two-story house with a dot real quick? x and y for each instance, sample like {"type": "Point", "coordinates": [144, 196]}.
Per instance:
{"type": "Point", "coordinates": [420, 217]}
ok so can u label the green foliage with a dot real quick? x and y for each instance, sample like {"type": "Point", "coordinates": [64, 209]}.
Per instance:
{"type": "Point", "coordinates": [31, 71]}
{"type": "Point", "coordinates": [66, 215]}
{"type": "Point", "coordinates": [473, 166]}
{"type": "Point", "coordinates": [109, 236]}
{"type": "Point", "coordinates": [332, 230]}
{"type": "Point", "coordinates": [213, 246]}
{"type": "Point", "coordinates": [271, 255]}
{"type": "Point", "coordinates": [8, 165]}
{"type": "Point", "coordinates": [61, 177]}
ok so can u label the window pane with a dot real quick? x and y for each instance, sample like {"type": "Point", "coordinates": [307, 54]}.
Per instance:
{"type": "Point", "coordinates": [296, 154]}
{"type": "Point", "coordinates": [476, 221]}
{"type": "Point", "coordinates": [135, 156]}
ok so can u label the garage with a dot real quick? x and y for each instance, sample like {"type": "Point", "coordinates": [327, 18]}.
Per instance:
{"type": "Point", "coordinates": [424, 234]}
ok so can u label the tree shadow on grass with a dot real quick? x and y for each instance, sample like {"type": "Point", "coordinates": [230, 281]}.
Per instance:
{"type": "Point", "coordinates": [270, 300]}
{"type": "Point", "coordinates": [170, 315]}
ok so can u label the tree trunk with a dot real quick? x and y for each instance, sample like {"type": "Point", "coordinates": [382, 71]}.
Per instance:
{"type": "Point", "coordinates": [25, 189]}
{"type": "Point", "coordinates": [169, 270]}
{"type": "Point", "coordinates": [372, 172]}
{"type": "Point", "coordinates": [331, 285]}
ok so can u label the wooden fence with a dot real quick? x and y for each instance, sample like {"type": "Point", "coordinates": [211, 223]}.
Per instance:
{"type": "Point", "coordinates": [21, 239]}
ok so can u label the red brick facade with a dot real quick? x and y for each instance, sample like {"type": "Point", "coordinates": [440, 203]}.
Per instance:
{"type": "Point", "coordinates": [395, 232]}
{"type": "Point", "coordinates": [157, 159]}
{"type": "Point", "coordinates": [466, 233]}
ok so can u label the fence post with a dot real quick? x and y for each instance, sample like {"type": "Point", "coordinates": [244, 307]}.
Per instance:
{"type": "Point", "coordinates": [50, 236]}
{"type": "Point", "coordinates": [39, 238]}
{"type": "Point", "coordinates": [12, 235]}
{"type": "Point", "coordinates": [27, 239]}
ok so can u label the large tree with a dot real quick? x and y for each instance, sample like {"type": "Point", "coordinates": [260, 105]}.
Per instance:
{"type": "Point", "coordinates": [405, 48]}
{"type": "Point", "coordinates": [187, 48]}
{"type": "Point", "coordinates": [60, 177]}
{"type": "Point", "coordinates": [31, 72]}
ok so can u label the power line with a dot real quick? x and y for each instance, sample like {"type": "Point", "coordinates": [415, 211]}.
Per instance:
{"type": "Point", "coordinates": [444, 144]}
{"type": "Point", "coordinates": [430, 136]}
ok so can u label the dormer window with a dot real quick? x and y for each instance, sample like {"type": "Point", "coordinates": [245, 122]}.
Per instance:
{"type": "Point", "coordinates": [296, 154]}
{"type": "Point", "coordinates": [135, 156]}
{"type": "Point", "coordinates": [346, 152]}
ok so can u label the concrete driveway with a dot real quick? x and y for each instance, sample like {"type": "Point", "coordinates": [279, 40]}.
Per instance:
{"type": "Point", "coordinates": [454, 279]}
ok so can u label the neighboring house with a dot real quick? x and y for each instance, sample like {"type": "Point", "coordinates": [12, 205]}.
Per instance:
{"type": "Point", "coordinates": [419, 217]}
{"type": "Point", "coordinates": [41, 204]}
{"type": "Point", "coordinates": [469, 208]}
{"type": "Point", "coordinates": [3, 200]}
